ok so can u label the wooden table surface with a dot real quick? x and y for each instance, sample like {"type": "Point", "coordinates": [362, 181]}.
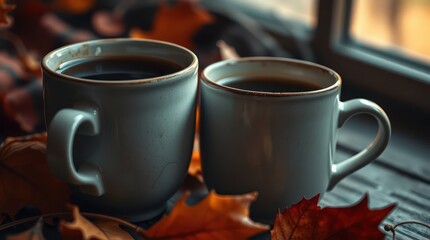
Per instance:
{"type": "Point", "coordinates": [400, 175]}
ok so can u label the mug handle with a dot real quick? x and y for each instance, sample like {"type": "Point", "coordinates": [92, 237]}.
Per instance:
{"type": "Point", "coordinates": [82, 119]}
{"type": "Point", "coordinates": [373, 150]}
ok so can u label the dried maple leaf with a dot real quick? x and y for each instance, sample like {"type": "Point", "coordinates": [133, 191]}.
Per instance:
{"type": "Point", "coordinates": [4, 10]}
{"type": "Point", "coordinates": [306, 220]}
{"type": "Point", "coordinates": [177, 23]}
{"type": "Point", "coordinates": [113, 231]}
{"type": "Point", "coordinates": [34, 233]}
{"type": "Point", "coordinates": [80, 228]}
{"type": "Point", "coordinates": [25, 178]}
{"type": "Point", "coordinates": [215, 217]}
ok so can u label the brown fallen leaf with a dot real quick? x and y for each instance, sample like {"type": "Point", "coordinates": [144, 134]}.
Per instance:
{"type": "Point", "coordinates": [113, 231]}
{"type": "Point", "coordinates": [215, 217]}
{"type": "Point", "coordinates": [306, 220]}
{"type": "Point", "coordinates": [177, 23]}
{"type": "Point", "coordinates": [80, 228]}
{"type": "Point", "coordinates": [25, 178]}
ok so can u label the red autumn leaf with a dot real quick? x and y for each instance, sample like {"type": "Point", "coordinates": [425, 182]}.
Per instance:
{"type": "Point", "coordinates": [4, 10]}
{"type": "Point", "coordinates": [25, 178]}
{"type": "Point", "coordinates": [215, 217]}
{"type": "Point", "coordinates": [177, 23]}
{"type": "Point", "coordinates": [306, 220]}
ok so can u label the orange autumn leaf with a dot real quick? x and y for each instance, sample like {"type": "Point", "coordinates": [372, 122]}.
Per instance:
{"type": "Point", "coordinates": [177, 23]}
{"type": "Point", "coordinates": [25, 178]}
{"type": "Point", "coordinates": [198, 119]}
{"type": "Point", "coordinates": [74, 6]}
{"type": "Point", "coordinates": [215, 217]}
{"type": "Point", "coordinates": [195, 168]}
{"type": "Point", "coordinates": [306, 220]}
{"type": "Point", "coordinates": [4, 10]}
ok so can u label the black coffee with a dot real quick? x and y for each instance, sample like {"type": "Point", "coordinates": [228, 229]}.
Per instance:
{"type": "Point", "coordinates": [118, 68]}
{"type": "Point", "coordinates": [269, 84]}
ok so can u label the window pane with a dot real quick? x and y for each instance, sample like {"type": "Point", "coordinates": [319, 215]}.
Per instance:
{"type": "Point", "coordinates": [400, 26]}
{"type": "Point", "coordinates": [302, 10]}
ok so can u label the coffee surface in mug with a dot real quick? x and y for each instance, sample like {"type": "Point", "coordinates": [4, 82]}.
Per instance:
{"type": "Point", "coordinates": [118, 68]}
{"type": "Point", "coordinates": [269, 84]}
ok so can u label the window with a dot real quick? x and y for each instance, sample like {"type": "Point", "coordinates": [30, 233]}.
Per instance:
{"type": "Point", "coordinates": [398, 26]}
{"type": "Point", "coordinates": [385, 70]}
{"type": "Point", "coordinates": [380, 48]}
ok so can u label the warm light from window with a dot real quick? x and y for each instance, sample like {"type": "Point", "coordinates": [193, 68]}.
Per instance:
{"type": "Point", "coordinates": [400, 26]}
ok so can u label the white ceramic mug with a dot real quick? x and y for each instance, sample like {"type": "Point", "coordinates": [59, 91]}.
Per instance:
{"type": "Point", "coordinates": [125, 144]}
{"type": "Point", "coordinates": [281, 144]}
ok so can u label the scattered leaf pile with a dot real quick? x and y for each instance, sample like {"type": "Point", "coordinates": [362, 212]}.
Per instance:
{"type": "Point", "coordinates": [26, 180]}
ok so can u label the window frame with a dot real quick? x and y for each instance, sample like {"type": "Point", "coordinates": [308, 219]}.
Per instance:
{"type": "Point", "coordinates": [409, 87]}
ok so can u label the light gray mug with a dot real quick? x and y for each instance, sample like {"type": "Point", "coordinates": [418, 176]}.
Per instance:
{"type": "Point", "coordinates": [270, 124]}
{"type": "Point", "coordinates": [125, 144]}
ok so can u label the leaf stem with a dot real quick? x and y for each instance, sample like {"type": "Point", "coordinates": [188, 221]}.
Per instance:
{"type": "Point", "coordinates": [392, 228]}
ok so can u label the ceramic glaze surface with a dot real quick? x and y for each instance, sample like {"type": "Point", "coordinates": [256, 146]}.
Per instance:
{"type": "Point", "coordinates": [125, 146]}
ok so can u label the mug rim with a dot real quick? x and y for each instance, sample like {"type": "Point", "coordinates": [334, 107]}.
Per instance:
{"type": "Point", "coordinates": [227, 62]}
{"type": "Point", "coordinates": [190, 68]}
